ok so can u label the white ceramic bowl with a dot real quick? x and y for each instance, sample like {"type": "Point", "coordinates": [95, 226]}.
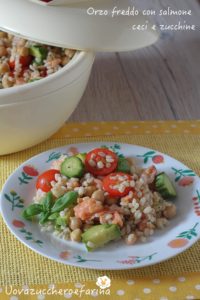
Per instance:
{"type": "Point", "coordinates": [32, 112]}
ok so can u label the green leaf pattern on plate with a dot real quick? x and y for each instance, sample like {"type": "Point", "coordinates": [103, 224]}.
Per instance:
{"type": "Point", "coordinates": [80, 259]}
{"type": "Point", "coordinates": [147, 156]}
{"type": "Point", "coordinates": [136, 259]}
{"type": "Point", "coordinates": [182, 173]}
{"type": "Point", "coordinates": [15, 200]}
{"type": "Point", "coordinates": [26, 234]}
{"type": "Point", "coordinates": [53, 156]}
{"type": "Point", "coordinates": [189, 234]}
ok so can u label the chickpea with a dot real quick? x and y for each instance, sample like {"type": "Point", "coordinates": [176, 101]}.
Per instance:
{"type": "Point", "coordinates": [75, 235]}
{"type": "Point", "coordinates": [65, 60]}
{"type": "Point", "coordinates": [75, 184]}
{"type": "Point", "coordinates": [6, 82]}
{"type": "Point", "coordinates": [10, 37]}
{"type": "Point", "coordinates": [131, 239]}
{"type": "Point", "coordinates": [4, 68]}
{"type": "Point", "coordinates": [55, 62]}
{"type": "Point", "coordinates": [3, 34]}
{"type": "Point", "coordinates": [89, 190]}
{"type": "Point", "coordinates": [98, 195]}
{"type": "Point", "coordinates": [75, 223]}
{"type": "Point", "coordinates": [3, 51]}
{"type": "Point", "coordinates": [170, 211]}
{"type": "Point", "coordinates": [21, 42]}
{"type": "Point", "coordinates": [111, 201]}
{"type": "Point", "coordinates": [23, 51]}
{"type": "Point", "coordinates": [161, 223]}
{"type": "Point", "coordinates": [69, 52]}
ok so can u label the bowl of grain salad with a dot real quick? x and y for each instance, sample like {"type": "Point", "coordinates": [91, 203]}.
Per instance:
{"type": "Point", "coordinates": [103, 205]}
{"type": "Point", "coordinates": [40, 86]}
{"type": "Point", "coordinates": [23, 61]}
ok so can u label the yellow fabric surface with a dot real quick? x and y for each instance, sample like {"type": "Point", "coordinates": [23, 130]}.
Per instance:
{"type": "Point", "coordinates": [174, 288]}
{"type": "Point", "coordinates": [19, 265]}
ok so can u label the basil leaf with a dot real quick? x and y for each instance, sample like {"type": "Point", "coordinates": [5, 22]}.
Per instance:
{"type": "Point", "coordinates": [65, 201]}
{"type": "Point", "coordinates": [53, 216]}
{"type": "Point", "coordinates": [32, 210]}
{"type": "Point", "coordinates": [48, 202]}
{"type": "Point", "coordinates": [44, 217]}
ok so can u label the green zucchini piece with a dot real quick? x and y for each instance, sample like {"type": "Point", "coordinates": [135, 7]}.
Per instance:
{"type": "Point", "coordinates": [39, 52]}
{"type": "Point", "coordinates": [99, 235]}
{"type": "Point", "coordinates": [164, 186]}
{"type": "Point", "coordinates": [72, 167]}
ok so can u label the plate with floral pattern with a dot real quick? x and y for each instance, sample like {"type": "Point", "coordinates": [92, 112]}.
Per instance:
{"type": "Point", "coordinates": [181, 233]}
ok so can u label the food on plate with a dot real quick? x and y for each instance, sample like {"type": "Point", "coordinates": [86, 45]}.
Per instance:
{"type": "Point", "coordinates": [23, 61]}
{"type": "Point", "coordinates": [98, 197]}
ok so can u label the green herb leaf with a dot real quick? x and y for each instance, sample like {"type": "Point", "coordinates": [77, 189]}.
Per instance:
{"type": "Point", "coordinates": [53, 216]}
{"type": "Point", "coordinates": [65, 201]}
{"type": "Point", "coordinates": [47, 201]}
{"type": "Point", "coordinates": [32, 210]}
{"type": "Point", "coordinates": [43, 217]}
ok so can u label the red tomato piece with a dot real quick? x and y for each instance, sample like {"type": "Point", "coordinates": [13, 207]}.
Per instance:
{"type": "Point", "coordinates": [115, 185]}
{"type": "Point", "coordinates": [101, 161]}
{"type": "Point", "coordinates": [25, 61]}
{"type": "Point", "coordinates": [44, 180]}
{"type": "Point", "coordinates": [12, 64]}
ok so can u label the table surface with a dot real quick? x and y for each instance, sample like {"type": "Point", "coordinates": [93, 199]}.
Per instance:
{"type": "Point", "coordinates": [158, 82]}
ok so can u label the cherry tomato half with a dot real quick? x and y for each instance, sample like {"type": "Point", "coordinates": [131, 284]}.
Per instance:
{"type": "Point", "coordinates": [101, 161]}
{"type": "Point", "coordinates": [44, 180]}
{"type": "Point", "coordinates": [114, 184]}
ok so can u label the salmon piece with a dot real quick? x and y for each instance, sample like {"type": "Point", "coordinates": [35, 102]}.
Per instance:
{"type": "Point", "coordinates": [86, 208]}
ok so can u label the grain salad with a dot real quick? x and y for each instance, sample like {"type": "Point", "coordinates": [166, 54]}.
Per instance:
{"type": "Point", "coordinates": [23, 61]}
{"type": "Point", "coordinates": [97, 197]}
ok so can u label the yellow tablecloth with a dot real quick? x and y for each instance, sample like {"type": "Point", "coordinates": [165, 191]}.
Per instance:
{"type": "Point", "coordinates": [177, 278]}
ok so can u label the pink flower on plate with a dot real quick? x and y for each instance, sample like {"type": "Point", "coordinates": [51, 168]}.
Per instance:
{"type": "Point", "coordinates": [73, 150]}
{"type": "Point", "coordinates": [18, 223]}
{"type": "Point", "coordinates": [158, 159]}
{"type": "Point", "coordinates": [185, 181]}
{"type": "Point", "coordinates": [130, 261]}
{"type": "Point", "coordinates": [30, 170]}
{"type": "Point", "coordinates": [64, 254]}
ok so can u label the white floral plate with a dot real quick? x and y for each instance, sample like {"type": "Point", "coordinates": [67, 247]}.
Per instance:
{"type": "Point", "coordinates": [183, 231]}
